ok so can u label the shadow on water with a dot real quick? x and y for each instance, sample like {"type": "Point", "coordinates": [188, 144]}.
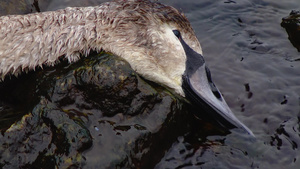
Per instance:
{"type": "Point", "coordinates": [13, 102]}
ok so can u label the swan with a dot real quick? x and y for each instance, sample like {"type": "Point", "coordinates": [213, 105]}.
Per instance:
{"type": "Point", "coordinates": [156, 40]}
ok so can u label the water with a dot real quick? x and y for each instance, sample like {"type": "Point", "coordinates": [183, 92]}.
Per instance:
{"type": "Point", "coordinates": [254, 65]}
{"type": "Point", "coordinates": [256, 68]}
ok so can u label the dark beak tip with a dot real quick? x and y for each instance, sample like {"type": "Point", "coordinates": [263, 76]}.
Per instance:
{"type": "Point", "coordinates": [244, 132]}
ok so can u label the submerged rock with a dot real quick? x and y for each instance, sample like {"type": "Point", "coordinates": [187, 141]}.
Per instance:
{"type": "Point", "coordinates": [95, 113]}
{"type": "Point", "coordinates": [291, 24]}
{"type": "Point", "coordinates": [16, 7]}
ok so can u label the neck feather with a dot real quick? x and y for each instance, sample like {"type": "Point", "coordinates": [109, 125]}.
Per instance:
{"type": "Point", "coordinates": [28, 41]}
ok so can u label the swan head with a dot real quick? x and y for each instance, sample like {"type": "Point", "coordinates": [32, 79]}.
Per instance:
{"type": "Point", "coordinates": [159, 44]}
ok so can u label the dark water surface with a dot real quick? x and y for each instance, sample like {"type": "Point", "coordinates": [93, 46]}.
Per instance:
{"type": "Point", "coordinates": [256, 68]}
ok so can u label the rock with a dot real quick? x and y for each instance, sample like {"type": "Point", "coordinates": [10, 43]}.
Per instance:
{"type": "Point", "coordinates": [15, 7]}
{"type": "Point", "coordinates": [291, 24]}
{"type": "Point", "coordinates": [94, 113]}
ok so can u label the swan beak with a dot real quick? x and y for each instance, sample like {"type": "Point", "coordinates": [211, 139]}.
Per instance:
{"type": "Point", "coordinates": [200, 90]}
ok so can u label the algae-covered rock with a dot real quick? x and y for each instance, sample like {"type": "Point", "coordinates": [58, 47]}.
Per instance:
{"type": "Point", "coordinates": [291, 24]}
{"type": "Point", "coordinates": [94, 113]}
{"type": "Point", "coordinates": [13, 7]}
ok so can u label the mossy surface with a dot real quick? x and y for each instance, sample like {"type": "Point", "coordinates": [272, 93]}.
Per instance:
{"type": "Point", "coordinates": [291, 24]}
{"type": "Point", "coordinates": [95, 112]}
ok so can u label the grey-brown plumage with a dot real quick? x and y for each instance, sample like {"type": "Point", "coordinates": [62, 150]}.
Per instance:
{"type": "Point", "coordinates": [135, 30]}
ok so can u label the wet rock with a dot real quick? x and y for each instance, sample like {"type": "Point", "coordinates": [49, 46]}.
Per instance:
{"type": "Point", "coordinates": [291, 24]}
{"type": "Point", "coordinates": [94, 113]}
{"type": "Point", "coordinates": [20, 6]}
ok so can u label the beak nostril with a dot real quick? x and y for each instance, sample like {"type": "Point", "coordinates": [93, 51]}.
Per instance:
{"type": "Point", "coordinates": [208, 74]}
{"type": "Point", "coordinates": [217, 94]}
{"type": "Point", "coordinates": [213, 87]}
{"type": "Point", "coordinates": [215, 91]}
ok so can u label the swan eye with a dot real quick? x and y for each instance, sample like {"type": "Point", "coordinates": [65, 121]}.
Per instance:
{"type": "Point", "coordinates": [177, 33]}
